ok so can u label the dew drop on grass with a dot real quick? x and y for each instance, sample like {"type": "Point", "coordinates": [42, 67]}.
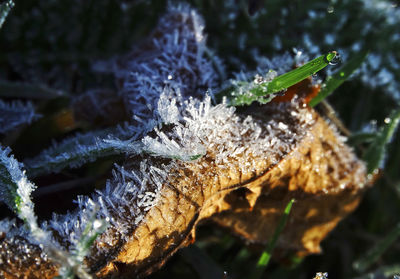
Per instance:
{"type": "Point", "coordinates": [330, 9]}
{"type": "Point", "coordinates": [387, 120]}
{"type": "Point", "coordinates": [335, 60]}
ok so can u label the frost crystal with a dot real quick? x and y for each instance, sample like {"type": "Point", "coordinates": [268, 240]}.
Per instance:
{"type": "Point", "coordinates": [15, 114]}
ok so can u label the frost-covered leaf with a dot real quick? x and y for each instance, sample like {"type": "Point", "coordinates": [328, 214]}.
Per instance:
{"type": "Point", "coordinates": [149, 199]}
{"type": "Point", "coordinates": [231, 153]}
{"type": "Point", "coordinates": [14, 114]}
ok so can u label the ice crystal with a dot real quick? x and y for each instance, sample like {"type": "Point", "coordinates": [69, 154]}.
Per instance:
{"type": "Point", "coordinates": [170, 148]}
{"type": "Point", "coordinates": [14, 114]}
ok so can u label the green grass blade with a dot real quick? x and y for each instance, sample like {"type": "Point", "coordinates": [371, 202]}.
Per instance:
{"type": "Point", "coordinates": [266, 255]}
{"type": "Point", "coordinates": [376, 252]}
{"type": "Point", "coordinates": [291, 78]}
{"type": "Point", "coordinates": [376, 151]}
{"type": "Point", "coordinates": [334, 81]}
{"type": "Point", "coordinates": [263, 92]}
{"type": "Point", "coordinates": [5, 8]}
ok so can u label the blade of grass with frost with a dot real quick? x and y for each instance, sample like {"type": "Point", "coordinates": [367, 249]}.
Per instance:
{"type": "Point", "coordinates": [260, 93]}
{"type": "Point", "coordinates": [334, 81]}
{"type": "Point", "coordinates": [376, 151]}
{"type": "Point", "coordinates": [376, 252]}
{"type": "Point", "coordinates": [4, 10]}
{"type": "Point", "coordinates": [266, 255]}
{"type": "Point", "coordinates": [93, 229]}
{"type": "Point", "coordinates": [81, 149]}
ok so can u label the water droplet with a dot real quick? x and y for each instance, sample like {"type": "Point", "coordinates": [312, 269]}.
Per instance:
{"type": "Point", "coordinates": [170, 77]}
{"type": "Point", "coordinates": [387, 120]}
{"type": "Point", "coordinates": [330, 9]}
{"type": "Point", "coordinates": [336, 60]}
